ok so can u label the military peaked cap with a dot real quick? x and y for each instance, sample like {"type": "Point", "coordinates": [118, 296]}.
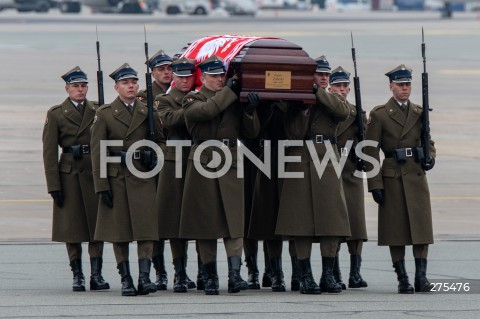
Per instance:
{"type": "Point", "coordinates": [339, 75]}
{"type": "Point", "coordinates": [183, 67]}
{"type": "Point", "coordinates": [212, 65]}
{"type": "Point", "coordinates": [158, 59]}
{"type": "Point", "coordinates": [400, 74]}
{"type": "Point", "coordinates": [322, 65]}
{"type": "Point", "coordinates": [75, 75]}
{"type": "Point", "coordinates": [124, 72]}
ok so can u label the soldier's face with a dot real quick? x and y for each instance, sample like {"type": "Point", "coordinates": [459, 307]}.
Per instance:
{"type": "Point", "coordinates": [401, 91]}
{"type": "Point", "coordinates": [162, 74]}
{"type": "Point", "coordinates": [321, 79]}
{"type": "Point", "coordinates": [77, 91]}
{"type": "Point", "coordinates": [340, 88]}
{"type": "Point", "coordinates": [127, 89]}
{"type": "Point", "coordinates": [184, 83]}
{"type": "Point", "coordinates": [213, 82]}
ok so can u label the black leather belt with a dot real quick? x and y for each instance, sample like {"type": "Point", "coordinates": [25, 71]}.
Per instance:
{"type": "Point", "coordinates": [408, 151]}
{"type": "Point", "coordinates": [178, 138]}
{"type": "Point", "coordinates": [123, 154]}
{"type": "Point", "coordinates": [80, 149]}
{"type": "Point", "coordinates": [322, 138]}
{"type": "Point", "coordinates": [228, 142]}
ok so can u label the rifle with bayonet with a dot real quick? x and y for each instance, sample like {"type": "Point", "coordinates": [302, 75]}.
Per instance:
{"type": "Point", "coordinates": [427, 161]}
{"type": "Point", "coordinates": [149, 158]}
{"type": "Point", "coordinates": [101, 98]}
{"type": "Point", "coordinates": [358, 105]}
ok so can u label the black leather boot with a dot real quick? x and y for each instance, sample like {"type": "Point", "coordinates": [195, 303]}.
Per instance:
{"type": "Point", "coordinates": [180, 282]}
{"type": "Point", "coordinates": [145, 286]}
{"type": "Point", "coordinates": [96, 280]}
{"type": "Point", "coordinates": [278, 282]}
{"type": "Point", "coordinates": [421, 282]}
{"type": "Point", "coordinates": [190, 283]}
{"type": "Point", "coordinates": [235, 281]}
{"type": "Point", "coordinates": [128, 289]}
{"type": "Point", "coordinates": [211, 282]}
{"type": "Point", "coordinates": [337, 274]}
{"type": "Point", "coordinates": [78, 277]}
{"type": "Point", "coordinates": [327, 281]}
{"type": "Point", "coordinates": [267, 274]}
{"type": "Point", "coordinates": [295, 283]}
{"type": "Point", "coordinates": [404, 286]}
{"type": "Point", "coordinates": [201, 275]}
{"type": "Point", "coordinates": [253, 273]}
{"type": "Point", "coordinates": [161, 280]}
{"type": "Point", "coordinates": [307, 283]}
{"type": "Point", "coordinates": [355, 280]}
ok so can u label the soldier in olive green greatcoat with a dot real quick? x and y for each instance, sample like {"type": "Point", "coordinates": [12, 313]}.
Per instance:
{"type": "Point", "coordinates": [168, 201]}
{"type": "Point", "coordinates": [313, 207]}
{"type": "Point", "coordinates": [401, 188]}
{"type": "Point", "coordinates": [69, 179]}
{"type": "Point", "coordinates": [161, 71]}
{"type": "Point", "coordinates": [213, 207]}
{"type": "Point", "coordinates": [352, 186]}
{"type": "Point", "coordinates": [126, 211]}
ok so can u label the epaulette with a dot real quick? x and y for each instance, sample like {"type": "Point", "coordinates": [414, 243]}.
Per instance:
{"type": "Point", "coordinates": [104, 106]}
{"type": "Point", "coordinates": [377, 107]}
{"type": "Point", "coordinates": [55, 107]}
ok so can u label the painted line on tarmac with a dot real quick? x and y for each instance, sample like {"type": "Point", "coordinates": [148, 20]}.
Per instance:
{"type": "Point", "coordinates": [25, 200]}
{"type": "Point", "coordinates": [460, 72]}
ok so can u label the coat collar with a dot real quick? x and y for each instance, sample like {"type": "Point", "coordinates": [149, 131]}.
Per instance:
{"type": "Point", "coordinates": [140, 113]}
{"type": "Point", "coordinates": [120, 111]}
{"type": "Point", "coordinates": [71, 113]}
{"type": "Point", "coordinates": [177, 95]}
{"type": "Point", "coordinates": [88, 116]}
{"type": "Point", "coordinates": [394, 112]}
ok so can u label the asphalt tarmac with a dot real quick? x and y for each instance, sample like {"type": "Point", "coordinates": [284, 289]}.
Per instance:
{"type": "Point", "coordinates": [36, 49]}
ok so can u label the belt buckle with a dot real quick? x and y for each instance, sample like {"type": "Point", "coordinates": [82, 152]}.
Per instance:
{"type": "Point", "coordinates": [136, 155]}
{"type": "Point", "coordinates": [318, 138]}
{"type": "Point", "coordinates": [344, 151]}
{"type": "Point", "coordinates": [408, 152]}
{"type": "Point", "coordinates": [226, 142]}
{"type": "Point", "coordinates": [85, 149]}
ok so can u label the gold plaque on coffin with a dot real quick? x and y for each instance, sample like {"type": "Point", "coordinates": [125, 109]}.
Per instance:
{"type": "Point", "coordinates": [280, 80]}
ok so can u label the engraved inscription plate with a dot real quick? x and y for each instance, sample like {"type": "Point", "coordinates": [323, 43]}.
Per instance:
{"type": "Point", "coordinates": [278, 80]}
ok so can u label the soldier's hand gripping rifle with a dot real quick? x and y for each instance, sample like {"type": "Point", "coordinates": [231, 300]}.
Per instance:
{"type": "Point", "coordinates": [148, 158]}
{"type": "Point", "coordinates": [101, 99]}
{"type": "Point", "coordinates": [358, 106]}
{"type": "Point", "coordinates": [427, 161]}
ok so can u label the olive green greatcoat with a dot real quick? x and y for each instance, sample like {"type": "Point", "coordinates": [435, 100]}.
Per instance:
{"type": "Point", "coordinates": [133, 216]}
{"type": "Point", "coordinates": [406, 216]}
{"type": "Point", "coordinates": [214, 207]}
{"type": "Point", "coordinates": [168, 202]}
{"type": "Point", "coordinates": [66, 126]}
{"type": "Point", "coordinates": [313, 206]}
{"type": "Point", "coordinates": [156, 90]}
{"type": "Point", "coordinates": [266, 195]}
{"type": "Point", "coordinates": [352, 186]}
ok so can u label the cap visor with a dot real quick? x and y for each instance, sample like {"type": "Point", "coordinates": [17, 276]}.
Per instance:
{"type": "Point", "coordinates": [340, 81]}
{"type": "Point", "coordinates": [162, 63]}
{"type": "Point", "coordinates": [405, 80]}
{"type": "Point", "coordinates": [183, 73]}
{"type": "Point", "coordinates": [323, 70]}
{"type": "Point", "coordinates": [218, 71]}
{"type": "Point", "coordinates": [78, 81]}
{"type": "Point", "coordinates": [127, 76]}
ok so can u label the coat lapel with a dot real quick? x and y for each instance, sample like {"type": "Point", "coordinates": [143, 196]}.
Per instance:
{"type": "Point", "coordinates": [120, 112]}
{"type": "Point", "coordinates": [71, 113]}
{"type": "Point", "coordinates": [414, 112]}
{"type": "Point", "coordinates": [351, 118]}
{"type": "Point", "coordinates": [87, 116]}
{"type": "Point", "coordinates": [139, 114]}
{"type": "Point", "coordinates": [395, 113]}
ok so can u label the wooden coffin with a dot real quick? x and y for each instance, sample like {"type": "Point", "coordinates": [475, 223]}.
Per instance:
{"type": "Point", "coordinates": [275, 69]}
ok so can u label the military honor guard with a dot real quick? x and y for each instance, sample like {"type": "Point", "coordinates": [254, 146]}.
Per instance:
{"type": "Point", "coordinates": [161, 70]}
{"type": "Point", "coordinates": [126, 210]}
{"type": "Point", "coordinates": [352, 186]}
{"type": "Point", "coordinates": [401, 188]}
{"type": "Point", "coordinates": [170, 186]}
{"type": "Point", "coordinates": [69, 178]}
{"type": "Point", "coordinates": [313, 208]}
{"type": "Point", "coordinates": [213, 208]}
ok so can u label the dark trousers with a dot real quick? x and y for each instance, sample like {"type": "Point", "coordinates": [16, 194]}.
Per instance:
{"type": "Point", "coordinates": [328, 246]}
{"type": "Point", "coordinates": [74, 250]}
{"type": "Point", "coordinates": [144, 250]}
{"type": "Point", "coordinates": [398, 252]}
{"type": "Point", "coordinates": [208, 248]}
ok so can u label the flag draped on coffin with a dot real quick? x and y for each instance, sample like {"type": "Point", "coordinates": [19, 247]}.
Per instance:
{"type": "Point", "coordinates": [224, 46]}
